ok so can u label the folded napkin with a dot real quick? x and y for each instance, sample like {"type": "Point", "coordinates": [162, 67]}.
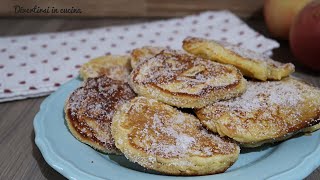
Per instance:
{"type": "Point", "coordinates": [36, 65]}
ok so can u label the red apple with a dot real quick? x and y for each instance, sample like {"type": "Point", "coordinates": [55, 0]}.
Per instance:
{"type": "Point", "coordinates": [279, 15]}
{"type": "Point", "coordinates": [305, 36]}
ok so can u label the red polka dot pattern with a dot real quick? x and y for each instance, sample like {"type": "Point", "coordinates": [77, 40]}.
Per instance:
{"type": "Point", "coordinates": [57, 84]}
{"type": "Point", "coordinates": [7, 91]}
{"type": "Point", "coordinates": [33, 71]}
{"type": "Point", "coordinates": [32, 88]}
{"type": "Point", "coordinates": [23, 64]}
{"type": "Point", "coordinates": [35, 65]}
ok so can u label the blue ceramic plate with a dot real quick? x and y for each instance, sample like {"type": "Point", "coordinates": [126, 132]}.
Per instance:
{"type": "Point", "coordinates": [293, 159]}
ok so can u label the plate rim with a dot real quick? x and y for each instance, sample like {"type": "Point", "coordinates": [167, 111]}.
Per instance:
{"type": "Point", "coordinates": [309, 162]}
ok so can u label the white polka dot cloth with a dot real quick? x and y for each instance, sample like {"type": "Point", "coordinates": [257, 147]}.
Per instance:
{"type": "Point", "coordinates": [36, 65]}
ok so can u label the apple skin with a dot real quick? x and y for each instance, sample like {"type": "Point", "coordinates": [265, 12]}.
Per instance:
{"type": "Point", "coordinates": [279, 15]}
{"type": "Point", "coordinates": [305, 36]}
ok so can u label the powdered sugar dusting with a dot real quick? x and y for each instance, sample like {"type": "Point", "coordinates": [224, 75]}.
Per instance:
{"type": "Point", "coordinates": [164, 131]}
{"type": "Point", "coordinates": [146, 52]}
{"type": "Point", "coordinates": [113, 66]}
{"type": "Point", "coordinates": [246, 53]}
{"type": "Point", "coordinates": [92, 106]}
{"type": "Point", "coordinates": [179, 72]}
{"type": "Point", "coordinates": [267, 110]}
{"type": "Point", "coordinates": [261, 95]}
